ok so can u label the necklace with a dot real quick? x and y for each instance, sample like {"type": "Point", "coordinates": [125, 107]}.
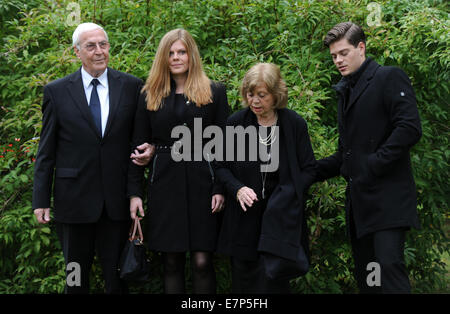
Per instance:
{"type": "Point", "coordinates": [263, 179]}
{"type": "Point", "coordinates": [271, 138]}
{"type": "Point", "coordinates": [267, 142]}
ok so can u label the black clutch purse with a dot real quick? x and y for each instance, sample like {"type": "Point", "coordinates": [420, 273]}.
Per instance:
{"type": "Point", "coordinates": [277, 267]}
{"type": "Point", "coordinates": [134, 264]}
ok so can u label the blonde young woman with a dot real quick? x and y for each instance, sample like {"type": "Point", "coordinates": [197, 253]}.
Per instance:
{"type": "Point", "coordinates": [183, 196]}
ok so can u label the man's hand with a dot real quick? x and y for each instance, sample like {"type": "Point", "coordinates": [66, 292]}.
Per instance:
{"type": "Point", "coordinates": [135, 205]}
{"type": "Point", "coordinates": [42, 215]}
{"type": "Point", "coordinates": [142, 159]}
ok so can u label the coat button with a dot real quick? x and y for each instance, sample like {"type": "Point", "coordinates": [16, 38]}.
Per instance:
{"type": "Point", "coordinates": [348, 153]}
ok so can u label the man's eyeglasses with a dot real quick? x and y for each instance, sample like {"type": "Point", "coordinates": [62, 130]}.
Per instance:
{"type": "Point", "coordinates": [92, 46]}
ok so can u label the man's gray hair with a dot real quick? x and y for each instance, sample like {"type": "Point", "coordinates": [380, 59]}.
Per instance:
{"type": "Point", "coordinates": [84, 27]}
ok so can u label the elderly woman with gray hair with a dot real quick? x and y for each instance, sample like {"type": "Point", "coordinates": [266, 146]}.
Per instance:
{"type": "Point", "coordinates": [264, 226]}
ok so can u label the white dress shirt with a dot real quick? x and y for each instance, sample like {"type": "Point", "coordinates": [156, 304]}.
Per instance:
{"type": "Point", "coordinates": [102, 90]}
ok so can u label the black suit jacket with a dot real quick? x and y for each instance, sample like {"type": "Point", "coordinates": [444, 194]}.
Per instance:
{"type": "Point", "coordinates": [87, 172]}
{"type": "Point", "coordinates": [376, 131]}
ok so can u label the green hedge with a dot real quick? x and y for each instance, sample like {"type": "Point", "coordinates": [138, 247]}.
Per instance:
{"type": "Point", "coordinates": [232, 35]}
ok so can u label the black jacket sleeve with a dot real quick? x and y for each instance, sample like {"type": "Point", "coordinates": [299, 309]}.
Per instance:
{"type": "Point", "coordinates": [329, 167]}
{"type": "Point", "coordinates": [305, 156]}
{"type": "Point", "coordinates": [401, 104]}
{"type": "Point", "coordinates": [45, 159]}
{"type": "Point", "coordinates": [142, 133]}
{"type": "Point", "coordinates": [224, 168]}
{"type": "Point", "coordinates": [222, 110]}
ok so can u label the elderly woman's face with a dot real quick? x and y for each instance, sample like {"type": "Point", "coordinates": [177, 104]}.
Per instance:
{"type": "Point", "coordinates": [260, 101]}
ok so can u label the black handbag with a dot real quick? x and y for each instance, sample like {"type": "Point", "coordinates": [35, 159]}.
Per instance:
{"type": "Point", "coordinates": [134, 264]}
{"type": "Point", "coordinates": [277, 267]}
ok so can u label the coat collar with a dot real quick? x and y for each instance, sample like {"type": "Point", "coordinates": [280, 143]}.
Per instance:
{"type": "Point", "coordinates": [363, 82]}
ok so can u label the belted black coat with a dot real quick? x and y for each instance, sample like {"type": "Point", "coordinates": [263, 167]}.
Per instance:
{"type": "Point", "coordinates": [377, 129]}
{"type": "Point", "coordinates": [178, 217]}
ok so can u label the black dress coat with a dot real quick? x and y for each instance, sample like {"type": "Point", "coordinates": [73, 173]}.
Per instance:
{"type": "Point", "coordinates": [376, 131]}
{"type": "Point", "coordinates": [277, 226]}
{"type": "Point", "coordinates": [179, 193]}
{"type": "Point", "coordinates": [88, 172]}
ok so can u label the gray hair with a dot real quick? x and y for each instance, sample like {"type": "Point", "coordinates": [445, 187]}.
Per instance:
{"type": "Point", "coordinates": [84, 27]}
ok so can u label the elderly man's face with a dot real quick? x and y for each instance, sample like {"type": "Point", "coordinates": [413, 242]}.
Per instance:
{"type": "Point", "coordinates": [93, 52]}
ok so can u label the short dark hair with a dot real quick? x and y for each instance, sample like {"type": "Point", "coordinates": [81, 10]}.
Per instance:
{"type": "Point", "coordinates": [352, 32]}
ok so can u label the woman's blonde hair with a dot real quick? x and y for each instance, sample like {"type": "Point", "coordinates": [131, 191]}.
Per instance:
{"type": "Point", "coordinates": [197, 87]}
{"type": "Point", "coordinates": [270, 75]}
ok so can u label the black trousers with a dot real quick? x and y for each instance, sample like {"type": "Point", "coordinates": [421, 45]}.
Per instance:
{"type": "Point", "coordinates": [248, 277]}
{"type": "Point", "coordinates": [385, 247]}
{"type": "Point", "coordinates": [80, 243]}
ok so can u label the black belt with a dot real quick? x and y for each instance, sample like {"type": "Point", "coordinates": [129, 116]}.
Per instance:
{"type": "Point", "coordinates": [163, 148]}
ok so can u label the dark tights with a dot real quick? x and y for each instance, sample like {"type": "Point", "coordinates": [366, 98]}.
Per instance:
{"type": "Point", "coordinates": [203, 274]}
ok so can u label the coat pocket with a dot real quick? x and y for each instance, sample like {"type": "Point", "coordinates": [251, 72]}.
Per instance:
{"type": "Point", "coordinates": [366, 177]}
{"type": "Point", "coordinates": [66, 172]}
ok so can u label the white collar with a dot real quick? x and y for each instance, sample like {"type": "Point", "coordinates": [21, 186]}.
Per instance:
{"type": "Point", "coordinates": [87, 78]}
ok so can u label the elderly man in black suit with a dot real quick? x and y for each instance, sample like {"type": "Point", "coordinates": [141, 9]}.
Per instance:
{"type": "Point", "coordinates": [378, 124]}
{"type": "Point", "coordinates": [83, 153]}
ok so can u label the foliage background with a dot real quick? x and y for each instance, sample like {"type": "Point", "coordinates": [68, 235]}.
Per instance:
{"type": "Point", "coordinates": [232, 35]}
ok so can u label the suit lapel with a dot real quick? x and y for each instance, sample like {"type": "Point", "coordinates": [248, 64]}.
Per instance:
{"type": "Point", "coordinates": [362, 84]}
{"type": "Point", "coordinates": [115, 85]}
{"type": "Point", "coordinates": [76, 91]}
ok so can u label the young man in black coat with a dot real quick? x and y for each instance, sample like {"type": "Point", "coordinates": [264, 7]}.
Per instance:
{"type": "Point", "coordinates": [378, 124]}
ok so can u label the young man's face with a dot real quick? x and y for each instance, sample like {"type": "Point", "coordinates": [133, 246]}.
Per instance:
{"type": "Point", "coordinates": [346, 57]}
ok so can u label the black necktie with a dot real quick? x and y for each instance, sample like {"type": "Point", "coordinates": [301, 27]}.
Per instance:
{"type": "Point", "coordinates": [94, 104]}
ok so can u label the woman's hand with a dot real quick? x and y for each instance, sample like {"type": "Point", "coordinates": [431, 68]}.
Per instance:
{"type": "Point", "coordinates": [142, 159]}
{"type": "Point", "coordinates": [246, 196]}
{"type": "Point", "coordinates": [135, 205]}
{"type": "Point", "coordinates": [217, 203]}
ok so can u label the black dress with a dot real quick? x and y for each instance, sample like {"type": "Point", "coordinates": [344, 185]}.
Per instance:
{"type": "Point", "coordinates": [179, 217]}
